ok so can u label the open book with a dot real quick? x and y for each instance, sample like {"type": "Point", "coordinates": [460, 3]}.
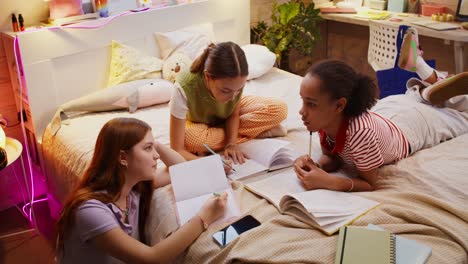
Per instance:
{"type": "Point", "coordinates": [327, 210]}
{"type": "Point", "coordinates": [436, 25]}
{"type": "Point", "coordinates": [195, 181]}
{"type": "Point", "coordinates": [263, 155]}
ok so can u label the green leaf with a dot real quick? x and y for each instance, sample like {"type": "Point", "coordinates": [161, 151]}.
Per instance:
{"type": "Point", "coordinates": [288, 11]}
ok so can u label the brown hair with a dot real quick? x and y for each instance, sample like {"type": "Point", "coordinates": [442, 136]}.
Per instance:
{"type": "Point", "coordinates": [222, 60]}
{"type": "Point", "coordinates": [105, 173]}
{"type": "Point", "coordinates": [338, 79]}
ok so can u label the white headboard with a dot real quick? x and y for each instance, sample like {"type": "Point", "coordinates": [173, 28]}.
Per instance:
{"type": "Point", "coordinates": [64, 64]}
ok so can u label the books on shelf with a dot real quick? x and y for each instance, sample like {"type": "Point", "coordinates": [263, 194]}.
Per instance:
{"type": "Point", "coordinates": [193, 182]}
{"type": "Point", "coordinates": [407, 250]}
{"type": "Point", "coordinates": [263, 155]}
{"type": "Point", "coordinates": [324, 209]}
{"type": "Point", "coordinates": [358, 245]}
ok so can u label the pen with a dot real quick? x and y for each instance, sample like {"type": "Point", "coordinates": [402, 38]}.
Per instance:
{"type": "Point", "coordinates": [310, 144]}
{"type": "Point", "coordinates": [214, 153]}
{"type": "Point", "coordinates": [216, 194]}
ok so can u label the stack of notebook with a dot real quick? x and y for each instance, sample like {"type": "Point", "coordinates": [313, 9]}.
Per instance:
{"type": "Point", "coordinates": [376, 245]}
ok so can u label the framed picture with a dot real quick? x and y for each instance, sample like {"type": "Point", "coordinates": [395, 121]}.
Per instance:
{"type": "Point", "coordinates": [462, 10]}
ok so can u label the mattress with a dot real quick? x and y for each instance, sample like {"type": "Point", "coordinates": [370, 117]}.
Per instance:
{"type": "Point", "coordinates": [423, 197]}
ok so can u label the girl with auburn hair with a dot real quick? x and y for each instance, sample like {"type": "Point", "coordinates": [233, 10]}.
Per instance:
{"type": "Point", "coordinates": [337, 104]}
{"type": "Point", "coordinates": [208, 106]}
{"type": "Point", "coordinates": [103, 220]}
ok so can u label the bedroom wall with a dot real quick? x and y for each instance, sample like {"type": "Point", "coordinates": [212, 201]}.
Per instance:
{"type": "Point", "coordinates": [35, 11]}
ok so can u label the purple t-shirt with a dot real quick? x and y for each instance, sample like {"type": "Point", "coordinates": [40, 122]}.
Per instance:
{"type": "Point", "coordinates": [94, 218]}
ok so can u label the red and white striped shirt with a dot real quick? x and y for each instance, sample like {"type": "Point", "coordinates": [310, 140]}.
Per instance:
{"type": "Point", "coordinates": [368, 142]}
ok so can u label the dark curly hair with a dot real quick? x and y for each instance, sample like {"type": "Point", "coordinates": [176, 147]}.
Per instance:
{"type": "Point", "coordinates": [340, 80]}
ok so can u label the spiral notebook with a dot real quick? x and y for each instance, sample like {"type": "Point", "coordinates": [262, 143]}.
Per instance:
{"type": "Point", "coordinates": [357, 245]}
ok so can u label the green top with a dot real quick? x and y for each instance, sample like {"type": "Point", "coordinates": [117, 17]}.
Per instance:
{"type": "Point", "coordinates": [202, 106]}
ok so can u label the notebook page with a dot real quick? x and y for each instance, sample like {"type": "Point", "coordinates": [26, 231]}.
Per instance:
{"type": "Point", "coordinates": [262, 150]}
{"type": "Point", "coordinates": [327, 201]}
{"type": "Point", "coordinates": [186, 209]}
{"type": "Point", "coordinates": [283, 158]}
{"type": "Point", "coordinates": [248, 168]}
{"type": "Point", "coordinates": [276, 186]}
{"type": "Point", "coordinates": [189, 179]}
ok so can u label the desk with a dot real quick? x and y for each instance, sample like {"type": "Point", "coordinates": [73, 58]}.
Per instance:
{"type": "Point", "coordinates": [458, 36]}
{"type": "Point", "coordinates": [14, 148]}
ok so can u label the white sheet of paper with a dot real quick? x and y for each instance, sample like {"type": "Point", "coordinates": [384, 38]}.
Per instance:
{"type": "Point", "coordinates": [195, 181]}
{"type": "Point", "coordinates": [186, 209]}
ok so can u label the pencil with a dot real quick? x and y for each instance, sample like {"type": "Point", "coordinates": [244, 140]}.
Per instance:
{"type": "Point", "coordinates": [214, 153]}
{"type": "Point", "coordinates": [310, 145]}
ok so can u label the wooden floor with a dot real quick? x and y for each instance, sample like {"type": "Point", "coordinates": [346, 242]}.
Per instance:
{"type": "Point", "coordinates": [30, 247]}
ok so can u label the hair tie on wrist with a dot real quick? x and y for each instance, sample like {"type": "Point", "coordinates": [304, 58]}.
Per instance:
{"type": "Point", "coordinates": [205, 225]}
{"type": "Point", "coordinates": [352, 185]}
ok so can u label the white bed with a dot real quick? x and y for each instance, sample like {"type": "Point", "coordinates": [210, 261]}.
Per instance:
{"type": "Point", "coordinates": [422, 197]}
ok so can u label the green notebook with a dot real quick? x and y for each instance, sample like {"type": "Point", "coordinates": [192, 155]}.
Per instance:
{"type": "Point", "coordinates": [357, 245]}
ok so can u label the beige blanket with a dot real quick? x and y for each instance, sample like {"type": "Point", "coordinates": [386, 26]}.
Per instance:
{"type": "Point", "coordinates": [423, 198]}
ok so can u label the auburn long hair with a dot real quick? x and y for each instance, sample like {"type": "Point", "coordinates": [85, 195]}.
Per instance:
{"type": "Point", "coordinates": [222, 60]}
{"type": "Point", "coordinates": [105, 173]}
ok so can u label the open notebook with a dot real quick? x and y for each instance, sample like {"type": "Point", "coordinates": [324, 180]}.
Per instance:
{"type": "Point", "coordinates": [263, 155]}
{"type": "Point", "coordinates": [324, 209]}
{"type": "Point", "coordinates": [195, 181]}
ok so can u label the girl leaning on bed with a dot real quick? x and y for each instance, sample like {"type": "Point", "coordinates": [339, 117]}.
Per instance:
{"type": "Point", "coordinates": [337, 104]}
{"type": "Point", "coordinates": [208, 106]}
{"type": "Point", "coordinates": [103, 220]}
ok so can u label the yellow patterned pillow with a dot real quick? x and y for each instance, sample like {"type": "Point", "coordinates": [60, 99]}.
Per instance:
{"type": "Point", "coordinates": [128, 64]}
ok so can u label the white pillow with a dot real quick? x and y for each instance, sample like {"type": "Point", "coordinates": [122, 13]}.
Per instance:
{"type": "Point", "coordinates": [131, 95]}
{"type": "Point", "coordinates": [191, 41]}
{"type": "Point", "coordinates": [260, 60]}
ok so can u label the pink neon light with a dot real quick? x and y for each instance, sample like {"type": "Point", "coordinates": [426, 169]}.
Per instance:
{"type": "Point", "coordinates": [20, 73]}
{"type": "Point", "coordinates": [33, 202]}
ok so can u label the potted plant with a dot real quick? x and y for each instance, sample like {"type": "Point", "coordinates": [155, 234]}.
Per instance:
{"type": "Point", "coordinates": [294, 26]}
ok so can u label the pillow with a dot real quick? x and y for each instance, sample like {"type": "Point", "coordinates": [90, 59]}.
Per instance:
{"type": "Point", "coordinates": [260, 60]}
{"type": "Point", "coordinates": [64, 8]}
{"type": "Point", "coordinates": [128, 64]}
{"type": "Point", "coordinates": [189, 40]}
{"type": "Point", "coordinates": [131, 95]}
{"type": "Point", "coordinates": [176, 63]}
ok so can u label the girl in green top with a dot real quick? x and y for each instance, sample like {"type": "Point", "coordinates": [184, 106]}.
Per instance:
{"type": "Point", "coordinates": [208, 107]}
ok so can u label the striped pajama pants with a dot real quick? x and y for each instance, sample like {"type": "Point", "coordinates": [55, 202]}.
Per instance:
{"type": "Point", "coordinates": [257, 115]}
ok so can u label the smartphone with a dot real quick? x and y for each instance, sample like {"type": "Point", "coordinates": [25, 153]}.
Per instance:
{"type": "Point", "coordinates": [224, 236]}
